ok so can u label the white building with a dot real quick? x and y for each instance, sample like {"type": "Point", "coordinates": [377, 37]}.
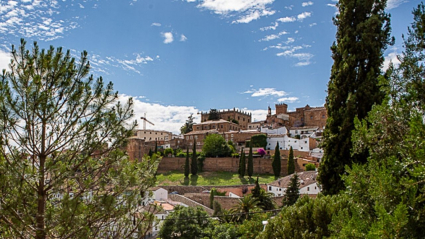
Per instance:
{"type": "Point", "coordinates": [308, 184]}
{"type": "Point", "coordinates": [279, 131]}
{"type": "Point", "coordinates": [285, 143]}
{"type": "Point", "coordinates": [303, 132]}
{"type": "Point", "coordinates": [153, 135]}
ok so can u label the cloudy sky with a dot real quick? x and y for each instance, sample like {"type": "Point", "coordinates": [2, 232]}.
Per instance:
{"type": "Point", "coordinates": [177, 57]}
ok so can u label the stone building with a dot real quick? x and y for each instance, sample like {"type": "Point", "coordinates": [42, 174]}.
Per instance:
{"type": "Point", "coordinates": [304, 116]}
{"type": "Point", "coordinates": [239, 138]}
{"type": "Point", "coordinates": [244, 118]}
{"type": "Point", "coordinates": [219, 125]}
{"type": "Point", "coordinates": [153, 135]}
{"type": "Point", "coordinates": [136, 148]}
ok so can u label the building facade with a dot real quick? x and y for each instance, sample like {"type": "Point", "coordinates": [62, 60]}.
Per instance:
{"type": "Point", "coordinates": [243, 118]}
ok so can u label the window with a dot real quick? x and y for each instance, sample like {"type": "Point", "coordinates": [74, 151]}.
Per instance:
{"type": "Point", "coordinates": [150, 132]}
{"type": "Point", "coordinates": [197, 127]}
{"type": "Point", "coordinates": [187, 137]}
{"type": "Point", "coordinates": [311, 117]}
{"type": "Point", "coordinates": [161, 133]}
{"type": "Point", "coordinates": [191, 137]}
{"type": "Point", "coordinates": [243, 119]}
{"type": "Point", "coordinates": [239, 118]}
{"type": "Point", "coordinates": [221, 126]}
{"type": "Point", "coordinates": [301, 147]}
{"type": "Point", "coordinates": [196, 137]}
{"type": "Point", "coordinates": [270, 188]}
{"type": "Point", "coordinates": [231, 135]}
{"type": "Point", "coordinates": [198, 143]}
{"type": "Point", "coordinates": [305, 141]}
{"type": "Point", "coordinates": [308, 188]}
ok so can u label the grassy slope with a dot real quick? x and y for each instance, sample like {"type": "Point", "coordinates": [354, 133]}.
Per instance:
{"type": "Point", "coordinates": [209, 178]}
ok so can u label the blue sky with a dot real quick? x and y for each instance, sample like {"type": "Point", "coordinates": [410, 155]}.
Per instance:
{"type": "Point", "coordinates": [177, 57]}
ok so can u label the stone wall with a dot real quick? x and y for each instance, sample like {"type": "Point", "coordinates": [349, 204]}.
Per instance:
{"type": "Point", "coordinates": [190, 202]}
{"type": "Point", "coordinates": [261, 165]}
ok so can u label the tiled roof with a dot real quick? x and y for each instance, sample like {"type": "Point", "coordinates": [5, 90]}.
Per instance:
{"type": "Point", "coordinates": [212, 131]}
{"type": "Point", "coordinates": [213, 122]}
{"type": "Point", "coordinates": [305, 178]}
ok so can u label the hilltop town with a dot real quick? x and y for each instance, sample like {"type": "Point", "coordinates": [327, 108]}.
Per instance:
{"type": "Point", "coordinates": [300, 131]}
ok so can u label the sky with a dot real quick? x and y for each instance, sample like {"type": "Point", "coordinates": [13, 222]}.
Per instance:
{"type": "Point", "coordinates": [182, 57]}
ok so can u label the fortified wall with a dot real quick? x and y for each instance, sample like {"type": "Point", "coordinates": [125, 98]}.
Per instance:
{"type": "Point", "coordinates": [261, 165]}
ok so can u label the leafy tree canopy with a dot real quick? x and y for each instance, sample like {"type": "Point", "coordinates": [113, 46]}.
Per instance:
{"type": "Point", "coordinates": [215, 145]}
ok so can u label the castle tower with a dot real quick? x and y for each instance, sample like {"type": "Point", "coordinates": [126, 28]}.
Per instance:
{"type": "Point", "coordinates": [281, 108]}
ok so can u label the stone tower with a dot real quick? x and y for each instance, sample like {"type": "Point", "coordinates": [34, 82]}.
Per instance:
{"type": "Point", "coordinates": [281, 108]}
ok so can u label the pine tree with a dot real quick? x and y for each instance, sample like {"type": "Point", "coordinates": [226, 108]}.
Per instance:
{"type": "Point", "coordinates": [276, 161]}
{"type": "Point", "coordinates": [363, 33]}
{"type": "Point", "coordinates": [291, 162]}
{"type": "Point", "coordinates": [187, 164]}
{"type": "Point", "coordinates": [250, 162]}
{"type": "Point", "coordinates": [292, 193]}
{"type": "Point", "coordinates": [194, 165]}
{"type": "Point", "coordinates": [61, 161]}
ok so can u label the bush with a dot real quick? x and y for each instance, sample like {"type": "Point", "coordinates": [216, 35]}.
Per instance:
{"type": "Point", "coordinates": [168, 151]}
{"type": "Point", "coordinates": [310, 167]}
{"type": "Point", "coordinates": [261, 152]}
{"type": "Point", "coordinates": [181, 155]}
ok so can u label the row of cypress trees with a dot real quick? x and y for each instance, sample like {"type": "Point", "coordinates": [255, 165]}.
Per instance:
{"type": "Point", "coordinates": [192, 166]}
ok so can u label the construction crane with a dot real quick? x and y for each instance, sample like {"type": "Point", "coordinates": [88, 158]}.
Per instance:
{"type": "Point", "coordinates": [144, 121]}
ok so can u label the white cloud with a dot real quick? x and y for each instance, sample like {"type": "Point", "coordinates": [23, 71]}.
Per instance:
{"type": "Point", "coordinates": [288, 99]}
{"type": "Point", "coordinates": [270, 37]}
{"type": "Point", "coordinates": [81, 5]}
{"type": "Point", "coordinates": [165, 117]}
{"type": "Point", "coordinates": [101, 64]}
{"type": "Point", "coordinates": [303, 15]}
{"type": "Point", "coordinates": [313, 24]}
{"type": "Point", "coordinates": [168, 37]}
{"type": "Point", "coordinates": [270, 27]}
{"type": "Point", "coordinates": [34, 19]}
{"type": "Point", "coordinates": [391, 58]}
{"type": "Point", "coordinates": [290, 40]}
{"type": "Point", "coordinates": [245, 10]}
{"type": "Point", "coordinates": [394, 3]}
{"type": "Point", "coordinates": [305, 4]}
{"type": "Point", "coordinates": [183, 37]}
{"type": "Point", "coordinates": [4, 60]}
{"type": "Point", "coordinates": [263, 92]}
{"type": "Point", "coordinates": [156, 24]}
{"type": "Point", "coordinates": [289, 7]}
{"type": "Point", "coordinates": [191, 0]}
{"type": "Point", "coordinates": [289, 51]}
{"type": "Point", "coordinates": [287, 19]}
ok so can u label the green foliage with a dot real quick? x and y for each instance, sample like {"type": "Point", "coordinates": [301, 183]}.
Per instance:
{"type": "Point", "coordinates": [264, 199]}
{"type": "Point", "coordinates": [62, 173]}
{"type": "Point", "coordinates": [186, 222]}
{"type": "Point", "coordinates": [212, 193]}
{"type": "Point", "coordinates": [297, 136]}
{"type": "Point", "coordinates": [201, 159]}
{"type": "Point", "coordinates": [307, 218]}
{"type": "Point", "coordinates": [254, 226]}
{"type": "Point", "coordinates": [156, 147]}
{"type": "Point", "coordinates": [259, 140]}
{"type": "Point", "coordinates": [187, 127]}
{"type": "Point", "coordinates": [363, 33]}
{"type": "Point", "coordinates": [168, 151]}
{"type": "Point", "coordinates": [250, 168]}
{"type": "Point", "coordinates": [217, 208]}
{"type": "Point", "coordinates": [194, 161]}
{"type": "Point", "coordinates": [243, 207]}
{"type": "Point", "coordinates": [187, 164]}
{"type": "Point", "coordinates": [215, 146]}
{"type": "Point", "coordinates": [213, 114]}
{"type": "Point", "coordinates": [291, 162]}
{"type": "Point", "coordinates": [242, 164]}
{"type": "Point", "coordinates": [310, 167]}
{"type": "Point", "coordinates": [276, 163]}
{"type": "Point", "coordinates": [292, 193]}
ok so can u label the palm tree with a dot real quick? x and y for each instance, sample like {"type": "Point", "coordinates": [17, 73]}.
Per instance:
{"type": "Point", "coordinates": [244, 206]}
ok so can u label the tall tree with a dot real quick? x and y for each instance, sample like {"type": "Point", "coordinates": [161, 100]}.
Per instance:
{"type": "Point", "coordinates": [292, 193]}
{"type": "Point", "coordinates": [250, 162]}
{"type": "Point", "coordinates": [62, 173]}
{"type": "Point", "coordinates": [187, 127]}
{"type": "Point", "coordinates": [215, 146]}
{"type": "Point", "coordinates": [363, 33]}
{"type": "Point", "coordinates": [276, 164]}
{"type": "Point", "coordinates": [242, 164]}
{"type": "Point", "coordinates": [187, 164]}
{"type": "Point", "coordinates": [156, 147]}
{"type": "Point", "coordinates": [213, 114]}
{"type": "Point", "coordinates": [291, 162]}
{"type": "Point", "coordinates": [194, 163]}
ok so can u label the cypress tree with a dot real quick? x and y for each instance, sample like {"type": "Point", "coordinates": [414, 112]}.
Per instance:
{"type": "Point", "coordinates": [194, 166]}
{"type": "Point", "coordinates": [276, 164]}
{"type": "Point", "coordinates": [186, 164]}
{"type": "Point", "coordinates": [256, 190]}
{"type": "Point", "coordinates": [291, 162]}
{"type": "Point", "coordinates": [156, 147]}
{"type": "Point", "coordinates": [242, 165]}
{"type": "Point", "coordinates": [250, 162]}
{"type": "Point", "coordinates": [292, 192]}
{"type": "Point", "coordinates": [363, 33]}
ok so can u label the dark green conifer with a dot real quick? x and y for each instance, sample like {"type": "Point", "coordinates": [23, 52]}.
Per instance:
{"type": "Point", "coordinates": [291, 162]}
{"type": "Point", "coordinates": [276, 164]}
{"type": "Point", "coordinates": [363, 33]}
{"type": "Point", "coordinates": [250, 161]}
{"type": "Point", "coordinates": [187, 164]}
{"type": "Point", "coordinates": [194, 165]}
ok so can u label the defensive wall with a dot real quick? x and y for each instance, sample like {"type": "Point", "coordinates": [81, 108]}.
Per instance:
{"type": "Point", "coordinates": [261, 165]}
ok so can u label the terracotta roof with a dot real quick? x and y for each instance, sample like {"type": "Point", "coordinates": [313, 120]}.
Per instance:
{"type": "Point", "coordinates": [306, 127]}
{"type": "Point", "coordinates": [214, 122]}
{"type": "Point", "coordinates": [213, 131]}
{"type": "Point", "coordinates": [306, 178]}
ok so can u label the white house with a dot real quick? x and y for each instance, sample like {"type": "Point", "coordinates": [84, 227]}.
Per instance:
{"type": "Point", "coordinates": [305, 131]}
{"type": "Point", "coordinates": [278, 131]}
{"type": "Point", "coordinates": [285, 143]}
{"type": "Point", "coordinates": [307, 179]}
